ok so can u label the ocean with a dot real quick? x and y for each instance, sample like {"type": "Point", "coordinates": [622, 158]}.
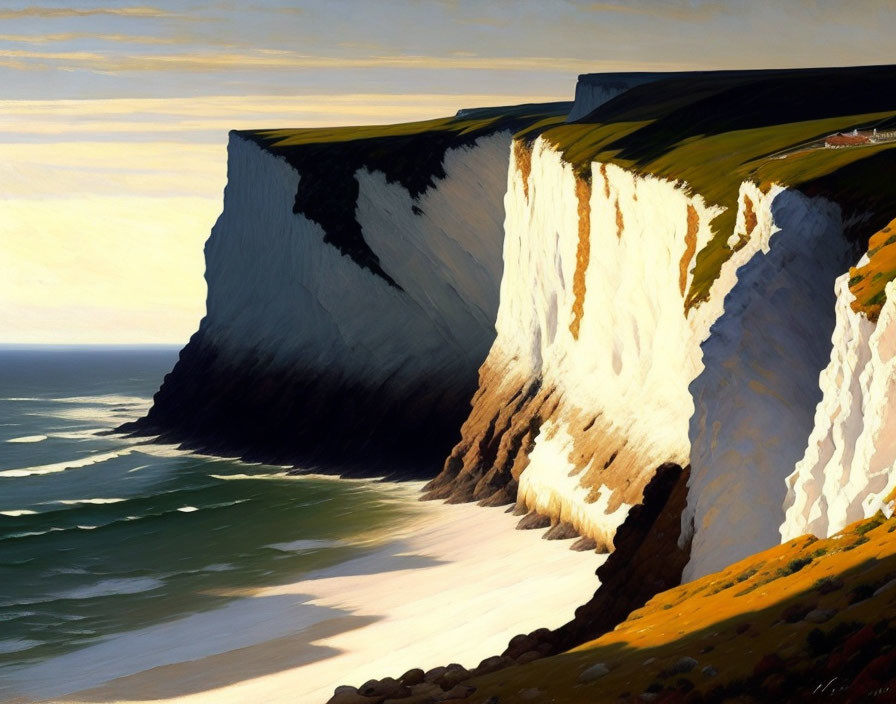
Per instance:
{"type": "Point", "coordinates": [102, 534]}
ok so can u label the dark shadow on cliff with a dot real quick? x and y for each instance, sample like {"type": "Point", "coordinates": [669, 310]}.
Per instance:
{"type": "Point", "coordinates": [310, 420]}
{"type": "Point", "coordinates": [710, 103]}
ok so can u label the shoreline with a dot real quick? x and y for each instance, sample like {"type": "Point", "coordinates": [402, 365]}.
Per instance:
{"type": "Point", "coordinates": [456, 581]}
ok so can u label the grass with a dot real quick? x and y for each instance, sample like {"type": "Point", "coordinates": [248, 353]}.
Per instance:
{"type": "Point", "coordinates": [868, 282]}
{"type": "Point", "coordinates": [745, 640]}
{"type": "Point", "coordinates": [713, 132]}
{"type": "Point", "coordinates": [410, 154]}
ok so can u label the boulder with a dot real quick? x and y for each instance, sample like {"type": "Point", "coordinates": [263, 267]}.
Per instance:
{"type": "Point", "coordinates": [595, 672]}
{"type": "Point", "coordinates": [349, 695]}
{"type": "Point", "coordinates": [412, 677]}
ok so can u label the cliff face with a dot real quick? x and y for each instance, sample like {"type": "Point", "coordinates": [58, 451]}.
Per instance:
{"type": "Point", "coordinates": [319, 348]}
{"type": "Point", "coordinates": [848, 470]}
{"type": "Point", "coordinates": [584, 392]}
{"type": "Point", "coordinates": [599, 373]}
{"type": "Point", "coordinates": [650, 284]}
{"type": "Point", "coordinates": [672, 256]}
{"type": "Point", "coordinates": [755, 397]}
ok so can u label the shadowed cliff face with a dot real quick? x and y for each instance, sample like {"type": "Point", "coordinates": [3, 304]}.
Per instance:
{"type": "Point", "coordinates": [307, 356]}
{"type": "Point", "coordinates": [647, 559]}
{"type": "Point", "coordinates": [305, 418]}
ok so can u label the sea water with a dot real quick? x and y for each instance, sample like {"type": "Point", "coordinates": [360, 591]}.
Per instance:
{"type": "Point", "coordinates": [102, 534]}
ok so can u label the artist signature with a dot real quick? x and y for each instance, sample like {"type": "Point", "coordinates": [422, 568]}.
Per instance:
{"type": "Point", "coordinates": [838, 685]}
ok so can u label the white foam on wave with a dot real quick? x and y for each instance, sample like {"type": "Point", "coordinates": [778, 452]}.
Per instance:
{"type": "Point", "coordinates": [30, 534]}
{"type": "Point", "coordinates": [86, 434]}
{"type": "Point", "coordinates": [228, 477]}
{"type": "Point", "coordinates": [112, 587]}
{"type": "Point", "coordinates": [18, 512]}
{"type": "Point", "coordinates": [62, 466]}
{"type": "Point", "coordinates": [187, 509]}
{"type": "Point", "coordinates": [90, 414]}
{"type": "Point", "coordinates": [306, 545]}
{"type": "Point", "coordinates": [104, 400]}
{"type": "Point", "coordinates": [98, 501]}
{"type": "Point", "coordinates": [218, 567]}
{"type": "Point", "coordinates": [28, 438]}
{"type": "Point", "coordinates": [17, 645]}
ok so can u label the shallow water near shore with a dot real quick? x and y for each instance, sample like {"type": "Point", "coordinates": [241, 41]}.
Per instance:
{"type": "Point", "coordinates": [102, 534]}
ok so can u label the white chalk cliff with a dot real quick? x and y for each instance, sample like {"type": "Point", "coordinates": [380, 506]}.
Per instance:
{"type": "Point", "coordinates": [301, 345]}
{"type": "Point", "coordinates": [849, 467]}
{"type": "Point", "coordinates": [565, 288]}
{"type": "Point", "coordinates": [599, 374]}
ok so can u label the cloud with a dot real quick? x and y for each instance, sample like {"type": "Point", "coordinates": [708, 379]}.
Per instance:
{"type": "Point", "coordinates": [54, 12]}
{"type": "Point", "coordinates": [272, 59]}
{"type": "Point", "coordinates": [72, 36]}
{"type": "Point", "coordinates": [182, 119]}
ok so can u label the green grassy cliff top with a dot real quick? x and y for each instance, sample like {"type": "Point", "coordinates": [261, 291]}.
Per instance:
{"type": "Point", "coordinates": [716, 130]}
{"type": "Point", "coordinates": [410, 153]}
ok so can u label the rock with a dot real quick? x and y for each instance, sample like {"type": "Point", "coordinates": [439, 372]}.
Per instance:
{"type": "Point", "coordinates": [543, 634]}
{"type": "Point", "coordinates": [819, 615]}
{"type": "Point", "coordinates": [864, 637]}
{"type": "Point", "coordinates": [584, 544]}
{"type": "Point", "coordinates": [434, 674]}
{"type": "Point", "coordinates": [454, 674]}
{"type": "Point", "coordinates": [519, 644]}
{"type": "Point", "coordinates": [493, 664]}
{"type": "Point", "coordinates": [460, 691]}
{"type": "Point", "coordinates": [649, 661]}
{"type": "Point", "coordinates": [682, 665]}
{"type": "Point", "coordinates": [428, 698]}
{"type": "Point", "coordinates": [773, 686]}
{"type": "Point", "coordinates": [709, 671]}
{"type": "Point", "coordinates": [520, 509]}
{"type": "Point", "coordinates": [796, 612]}
{"type": "Point", "coordinates": [595, 672]}
{"type": "Point", "coordinates": [528, 656]}
{"type": "Point", "coordinates": [388, 687]}
{"type": "Point", "coordinates": [561, 531]}
{"type": "Point", "coordinates": [648, 696]}
{"type": "Point", "coordinates": [532, 521]}
{"type": "Point", "coordinates": [426, 689]}
{"type": "Point", "coordinates": [349, 695]}
{"type": "Point", "coordinates": [412, 677]}
{"type": "Point", "coordinates": [530, 694]}
{"type": "Point", "coordinates": [874, 674]}
{"type": "Point", "coordinates": [885, 588]}
{"type": "Point", "coordinates": [830, 584]}
{"type": "Point", "coordinates": [768, 664]}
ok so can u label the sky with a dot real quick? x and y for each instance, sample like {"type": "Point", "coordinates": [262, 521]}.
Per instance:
{"type": "Point", "coordinates": [114, 115]}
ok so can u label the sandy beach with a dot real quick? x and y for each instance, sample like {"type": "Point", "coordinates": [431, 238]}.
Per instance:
{"type": "Point", "coordinates": [454, 584]}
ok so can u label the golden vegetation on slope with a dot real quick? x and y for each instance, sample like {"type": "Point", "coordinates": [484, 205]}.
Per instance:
{"type": "Point", "coordinates": [583, 253]}
{"type": "Point", "coordinates": [522, 153]}
{"type": "Point", "coordinates": [867, 283]}
{"type": "Point", "coordinates": [778, 626]}
{"type": "Point", "coordinates": [690, 248]}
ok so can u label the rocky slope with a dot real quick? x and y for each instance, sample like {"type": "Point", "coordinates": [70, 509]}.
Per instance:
{"type": "Point", "coordinates": [809, 620]}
